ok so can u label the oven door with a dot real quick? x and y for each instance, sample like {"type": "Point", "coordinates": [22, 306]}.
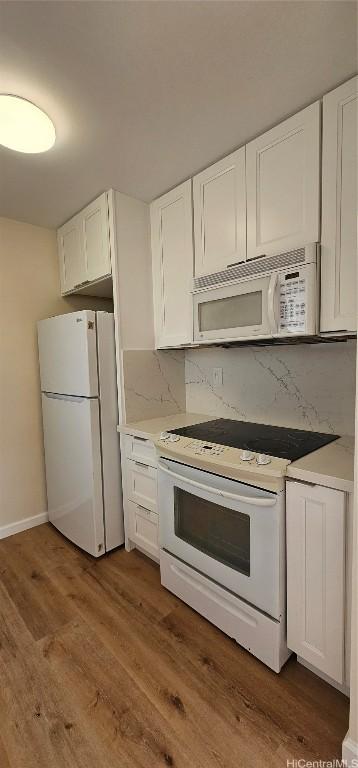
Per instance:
{"type": "Point", "coordinates": [229, 531]}
{"type": "Point", "coordinates": [244, 310]}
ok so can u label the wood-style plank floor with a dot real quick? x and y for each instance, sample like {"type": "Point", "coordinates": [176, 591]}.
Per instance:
{"type": "Point", "coordinates": [100, 667]}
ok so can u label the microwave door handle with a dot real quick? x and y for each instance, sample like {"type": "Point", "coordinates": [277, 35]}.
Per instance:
{"type": "Point", "coordinates": [257, 502]}
{"type": "Point", "coordinates": [271, 296]}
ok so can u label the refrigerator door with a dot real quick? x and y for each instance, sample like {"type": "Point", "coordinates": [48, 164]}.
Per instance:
{"type": "Point", "coordinates": [73, 469]}
{"type": "Point", "coordinates": [111, 457]}
{"type": "Point", "coordinates": [68, 355]}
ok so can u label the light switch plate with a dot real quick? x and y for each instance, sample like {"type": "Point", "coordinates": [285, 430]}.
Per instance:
{"type": "Point", "coordinates": [217, 377]}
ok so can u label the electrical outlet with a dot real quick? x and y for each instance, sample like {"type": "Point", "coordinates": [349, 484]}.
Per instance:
{"type": "Point", "coordinates": [217, 377]}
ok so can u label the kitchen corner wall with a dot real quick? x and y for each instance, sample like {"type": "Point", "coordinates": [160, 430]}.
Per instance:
{"type": "Point", "coordinates": [307, 386]}
{"type": "Point", "coordinates": [153, 383]}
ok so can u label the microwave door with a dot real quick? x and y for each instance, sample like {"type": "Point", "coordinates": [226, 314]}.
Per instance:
{"type": "Point", "coordinates": [244, 310]}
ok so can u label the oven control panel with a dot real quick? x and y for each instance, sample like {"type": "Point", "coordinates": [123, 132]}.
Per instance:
{"type": "Point", "coordinates": [239, 464]}
{"type": "Point", "coordinates": [202, 448]}
{"type": "Point", "coordinates": [199, 447]}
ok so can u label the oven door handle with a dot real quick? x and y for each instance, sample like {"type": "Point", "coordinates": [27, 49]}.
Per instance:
{"type": "Point", "coordinates": [257, 502]}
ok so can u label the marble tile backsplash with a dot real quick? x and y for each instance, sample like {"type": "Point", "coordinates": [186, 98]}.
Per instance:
{"type": "Point", "coordinates": [304, 386]}
{"type": "Point", "coordinates": [154, 383]}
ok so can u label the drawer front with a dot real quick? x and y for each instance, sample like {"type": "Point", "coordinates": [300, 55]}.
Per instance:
{"type": "Point", "coordinates": [144, 529]}
{"type": "Point", "coordinates": [142, 484]}
{"type": "Point", "coordinates": [140, 449]}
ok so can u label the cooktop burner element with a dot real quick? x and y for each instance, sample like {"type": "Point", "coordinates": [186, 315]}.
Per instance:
{"type": "Point", "coordinates": [280, 442]}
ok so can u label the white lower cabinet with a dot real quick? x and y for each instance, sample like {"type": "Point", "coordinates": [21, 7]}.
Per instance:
{"type": "Point", "coordinates": [316, 576]}
{"type": "Point", "coordinates": [142, 484]}
{"type": "Point", "coordinates": [139, 481]}
{"type": "Point", "coordinates": [144, 529]}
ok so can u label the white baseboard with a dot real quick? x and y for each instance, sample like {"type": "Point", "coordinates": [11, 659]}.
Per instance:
{"type": "Point", "coordinates": [22, 525]}
{"type": "Point", "coordinates": [350, 752]}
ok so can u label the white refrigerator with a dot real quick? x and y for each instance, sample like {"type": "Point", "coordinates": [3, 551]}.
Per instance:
{"type": "Point", "coordinates": [80, 417]}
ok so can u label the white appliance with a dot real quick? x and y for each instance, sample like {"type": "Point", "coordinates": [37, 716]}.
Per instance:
{"type": "Point", "coordinates": [269, 297]}
{"type": "Point", "coordinates": [222, 540]}
{"type": "Point", "coordinates": [230, 531]}
{"type": "Point", "coordinates": [80, 417]}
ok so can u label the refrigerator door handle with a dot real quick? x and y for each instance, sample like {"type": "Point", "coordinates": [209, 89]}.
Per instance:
{"type": "Point", "coordinates": [70, 398]}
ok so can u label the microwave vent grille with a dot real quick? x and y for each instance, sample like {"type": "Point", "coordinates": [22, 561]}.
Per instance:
{"type": "Point", "coordinates": [250, 268]}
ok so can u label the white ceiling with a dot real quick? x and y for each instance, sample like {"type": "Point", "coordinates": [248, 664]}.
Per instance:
{"type": "Point", "coordinates": [145, 94]}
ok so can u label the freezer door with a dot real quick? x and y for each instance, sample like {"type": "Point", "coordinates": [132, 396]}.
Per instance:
{"type": "Point", "coordinates": [68, 356]}
{"type": "Point", "coordinates": [73, 469]}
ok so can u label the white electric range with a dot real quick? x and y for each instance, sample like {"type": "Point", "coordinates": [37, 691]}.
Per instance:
{"type": "Point", "coordinates": [222, 526]}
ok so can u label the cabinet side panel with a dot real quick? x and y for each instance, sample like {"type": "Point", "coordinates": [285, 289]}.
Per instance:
{"type": "Point", "coordinates": [131, 268]}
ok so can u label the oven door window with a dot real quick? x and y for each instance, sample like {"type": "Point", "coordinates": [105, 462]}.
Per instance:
{"type": "Point", "coordinates": [218, 531]}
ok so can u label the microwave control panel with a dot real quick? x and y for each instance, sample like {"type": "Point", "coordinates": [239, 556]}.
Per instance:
{"type": "Point", "coordinates": [293, 301]}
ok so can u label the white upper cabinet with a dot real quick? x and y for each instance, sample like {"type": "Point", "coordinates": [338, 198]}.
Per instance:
{"type": "Point", "coordinates": [71, 254]}
{"type": "Point", "coordinates": [283, 181]}
{"type": "Point", "coordinates": [220, 215]}
{"type": "Point", "coordinates": [96, 239]}
{"type": "Point", "coordinates": [172, 261]}
{"type": "Point", "coordinates": [84, 247]}
{"type": "Point", "coordinates": [315, 576]}
{"type": "Point", "coordinates": [339, 209]}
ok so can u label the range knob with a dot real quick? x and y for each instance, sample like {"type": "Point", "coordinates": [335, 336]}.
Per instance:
{"type": "Point", "coordinates": [246, 456]}
{"type": "Point", "coordinates": [262, 459]}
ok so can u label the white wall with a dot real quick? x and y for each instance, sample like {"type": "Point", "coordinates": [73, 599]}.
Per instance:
{"type": "Point", "coordinates": [29, 291]}
{"type": "Point", "coordinates": [303, 386]}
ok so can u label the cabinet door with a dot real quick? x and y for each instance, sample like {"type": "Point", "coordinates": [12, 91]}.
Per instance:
{"type": "Point", "coordinates": [339, 209]}
{"type": "Point", "coordinates": [71, 255]}
{"type": "Point", "coordinates": [96, 239]}
{"type": "Point", "coordinates": [220, 215]}
{"type": "Point", "coordinates": [172, 260]}
{"type": "Point", "coordinates": [315, 576]}
{"type": "Point", "coordinates": [282, 172]}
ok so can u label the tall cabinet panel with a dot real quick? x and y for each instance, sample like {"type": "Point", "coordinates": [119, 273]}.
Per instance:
{"type": "Point", "coordinates": [220, 215]}
{"type": "Point", "coordinates": [172, 255]}
{"type": "Point", "coordinates": [282, 170]}
{"type": "Point", "coordinates": [315, 576]}
{"type": "Point", "coordinates": [339, 209]}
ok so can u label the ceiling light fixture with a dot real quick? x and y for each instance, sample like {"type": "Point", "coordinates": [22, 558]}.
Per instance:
{"type": "Point", "coordinates": [23, 126]}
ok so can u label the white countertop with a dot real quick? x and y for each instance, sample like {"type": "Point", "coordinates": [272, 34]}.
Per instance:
{"type": "Point", "coordinates": [331, 466]}
{"type": "Point", "coordinates": [151, 428]}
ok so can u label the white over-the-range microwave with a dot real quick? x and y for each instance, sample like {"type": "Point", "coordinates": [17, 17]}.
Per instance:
{"type": "Point", "coordinates": [269, 297]}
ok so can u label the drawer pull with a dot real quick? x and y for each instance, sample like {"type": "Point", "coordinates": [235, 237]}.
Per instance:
{"type": "Point", "coordinates": [140, 439]}
{"type": "Point", "coordinates": [140, 464]}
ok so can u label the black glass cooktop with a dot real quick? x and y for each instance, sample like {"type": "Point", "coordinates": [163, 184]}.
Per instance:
{"type": "Point", "coordinates": [280, 442]}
